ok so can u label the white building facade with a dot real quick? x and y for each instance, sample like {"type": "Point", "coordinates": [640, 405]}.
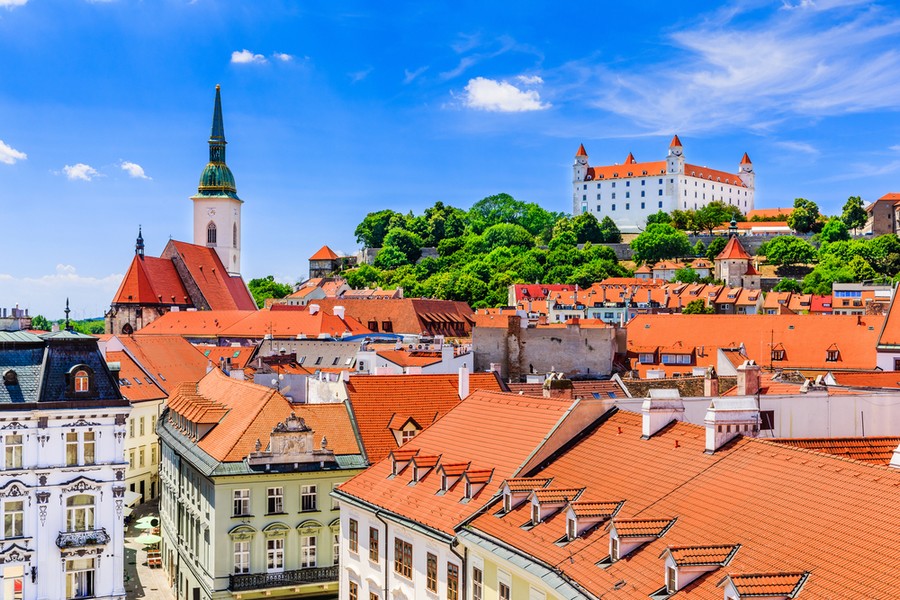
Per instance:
{"type": "Point", "coordinates": [630, 192]}
{"type": "Point", "coordinates": [62, 491]}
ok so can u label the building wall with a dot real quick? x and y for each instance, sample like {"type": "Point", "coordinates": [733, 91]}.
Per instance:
{"type": "Point", "coordinates": [523, 585]}
{"type": "Point", "coordinates": [45, 482]}
{"type": "Point", "coordinates": [225, 213]}
{"type": "Point", "coordinates": [142, 450]}
{"type": "Point", "coordinates": [520, 351]}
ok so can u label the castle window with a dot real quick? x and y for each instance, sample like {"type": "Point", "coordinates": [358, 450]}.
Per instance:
{"type": "Point", "coordinates": [211, 233]}
{"type": "Point", "coordinates": [643, 193]}
{"type": "Point", "coordinates": [660, 192]}
{"type": "Point", "coordinates": [660, 202]}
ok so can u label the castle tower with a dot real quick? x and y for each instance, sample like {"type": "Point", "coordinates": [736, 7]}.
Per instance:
{"type": "Point", "coordinates": [581, 163]}
{"type": "Point", "coordinates": [745, 171]}
{"type": "Point", "coordinates": [217, 208]}
{"type": "Point", "coordinates": [675, 159]}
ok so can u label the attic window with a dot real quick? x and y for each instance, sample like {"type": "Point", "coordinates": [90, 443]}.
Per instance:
{"type": "Point", "coordinates": [777, 354]}
{"type": "Point", "coordinates": [387, 326]}
{"type": "Point", "coordinates": [83, 381]}
{"type": "Point", "coordinates": [671, 581]}
{"type": "Point", "coordinates": [507, 502]}
{"type": "Point", "coordinates": [535, 513]}
{"type": "Point", "coordinates": [832, 355]}
{"type": "Point", "coordinates": [613, 549]}
{"type": "Point", "coordinates": [10, 377]}
{"type": "Point", "coordinates": [571, 530]}
{"type": "Point", "coordinates": [319, 361]}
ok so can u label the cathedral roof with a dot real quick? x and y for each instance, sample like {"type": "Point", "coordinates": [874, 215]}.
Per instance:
{"type": "Point", "coordinates": [220, 290]}
{"type": "Point", "coordinates": [152, 281]}
{"type": "Point", "coordinates": [217, 179]}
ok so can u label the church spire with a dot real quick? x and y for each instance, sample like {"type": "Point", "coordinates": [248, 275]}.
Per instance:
{"type": "Point", "coordinates": [139, 244]}
{"type": "Point", "coordinates": [216, 179]}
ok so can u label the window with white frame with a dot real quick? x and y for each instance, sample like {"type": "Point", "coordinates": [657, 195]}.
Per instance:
{"type": "Point", "coordinates": [335, 505]}
{"type": "Point", "coordinates": [452, 581]}
{"type": "Point", "coordinates": [80, 513]}
{"type": "Point", "coordinates": [13, 518]}
{"type": "Point", "coordinates": [353, 590]}
{"type": "Point", "coordinates": [477, 584]}
{"type": "Point", "coordinates": [82, 381]}
{"type": "Point", "coordinates": [71, 448]}
{"type": "Point", "coordinates": [407, 434]}
{"type": "Point", "coordinates": [671, 584]}
{"type": "Point", "coordinates": [242, 557]}
{"type": "Point", "coordinates": [88, 446]}
{"type": "Point", "coordinates": [308, 495]}
{"type": "Point", "coordinates": [336, 547]}
{"type": "Point", "coordinates": [275, 500]}
{"type": "Point", "coordinates": [374, 550]}
{"type": "Point", "coordinates": [80, 578]}
{"type": "Point", "coordinates": [307, 551]}
{"type": "Point", "coordinates": [275, 555]}
{"type": "Point", "coordinates": [13, 454]}
{"type": "Point", "coordinates": [431, 572]}
{"type": "Point", "coordinates": [503, 591]}
{"type": "Point", "coordinates": [241, 503]}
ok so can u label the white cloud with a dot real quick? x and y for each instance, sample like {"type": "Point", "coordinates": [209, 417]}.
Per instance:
{"type": "Point", "coordinates": [799, 147]}
{"type": "Point", "coordinates": [9, 155]}
{"type": "Point", "coordinates": [530, 79]}
{"type": "Point", "coordinates": [245, 57]}
{"type": "Point", "coordinates": [12, 3]}
{"type": "Point", "coordinates": [280, 56]}
{"type": "Point", "coordinates": [410, 76]}
{"type": "Point", "coordinates": [46, 294]}
{"type": "Point", "coordinates": [80, 171]}
{"type": "Point", "coordinates": [501, 96]}
{"type": "Point", "coordinates": [133, 169]}
{"type": "Point", "coordinates": [358, 76]}
{"type": "Point", "coordinates": [729, 74]}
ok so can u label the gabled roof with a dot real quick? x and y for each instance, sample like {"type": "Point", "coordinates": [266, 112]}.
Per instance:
{"type": "Point", "coordinates": [152, 280]}
{"type": "Point", "coordinates": [376, 399]}
{"type": "Point", "coordinates": [407, 315]}
{"type": "Point", "coordinates": [291, 323]}
{"type": "Point", "coordinates": [477, 430]}
{"type": "Point", "coordinates": [134, 383]}
{"type": "Point", "coordinates": [809, 505]}
{"type": "Point", "coordinates": [190, 323]}
{"type": "Point", "coordinates": [169, 359]}
{"type": "Point", "coordinates": [629, 160]}
{"type": "Point", "coordinates": [220, 290]}
{"type": "Point", "coordinates": [733, 250]}
{"type": "Point", "coordinates": [874, 450]}
{"type": "Point", "coordinates": [768, 585]}
{"type": "Point", "coordinates": [324, 253]}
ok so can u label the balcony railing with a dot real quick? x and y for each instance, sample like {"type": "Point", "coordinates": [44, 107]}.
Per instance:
{"type": "Point", "coordinates": [256, 581]}
{"type": "Point", "coordinates": [79, 539]}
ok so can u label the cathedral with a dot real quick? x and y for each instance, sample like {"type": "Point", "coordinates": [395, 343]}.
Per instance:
{"type": "Point", "coordinates": [204, 275]}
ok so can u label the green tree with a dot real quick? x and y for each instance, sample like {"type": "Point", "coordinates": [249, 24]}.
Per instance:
{"type": "Point", "coordinates": [266, 287]}
{"type": "Point", "coordinates": [805, 217]}
{"type": "Point", "coordinates": [507, 234]}
{"type": "Point", "coordinates": [587, 228]}
{"type": "Point", "coordinates": [715, 214]}
{"type": "Point", "coordinates": [658, 242]}
{"type": "Point", "coordinates": [700, 248]}
{"type": "Point", "coordinates": [371, 231]}
{"type": "Point", "coordinates": [715, 247]}
{"type": "Point", "coordinates": [697, 307]}
{"type": "Point", "coordinates": [830, 270]}
{"type": "Point", "coordinates": [407, 242]}
{"type": "Point", "coordinates": [41, 323]}
{"type": "Point", "coordinates": [786, 284]}
{"type": "Point", "coordinates": [610, 233]}
{"type": "Point", "coordinates": [659, 217]}
{"type": "Point", "coordinates": [683, 220]}
{"type": "Point", "coordinates": [834, 230]}
{"type": "Point", "coordinates": [854, 214]}
{"type": "Point", "coordinates": [790, 250]}
{"type": "Point", "coordinates": [362, 277]}
{"type": "Point", "coordinates": [687, 275]}
{"type": "Point", "coordinates": [390, 257]}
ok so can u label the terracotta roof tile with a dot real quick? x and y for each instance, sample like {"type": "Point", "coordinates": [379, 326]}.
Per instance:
{"type": "Point", "coordinates": [557, 495]}
{"type": "Point", "coordinates": [772, 585]}
{"type": "Point", "coordinates": [220, 290]}
{"type": "Point", "coordinates": [479, 475]}
{"type": "Point", "coordinates": [134, 383]}
{"type": "Point", "coordinates": [687, 556]}
{"type": "Point", "coordinates": [375, 400]}
{"type": "Point", "coordinates": [594, 510]}
{"type": "Point", "coordinates": [581, 151]}
{"type": "Point", "coordinates": [324, 253]}
{"type": "Point", "coordinates": [874, 450]}
{"type": "Point", "coordinates": [733, 250]}
{"type": "Point", "coordinates": [152, 281]}
{"type": "Point", "coordinates": [170, 359]}
{"type": "Point", "coordinates": [642, 527]}
{"type": "Point", "coordinates": [526, 484]}
{"type": "Point", "coordinates": [770, 212]}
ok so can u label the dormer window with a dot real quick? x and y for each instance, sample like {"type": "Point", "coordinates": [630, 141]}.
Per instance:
{"type": "Point", "coordinates": [832, 354]}
{"type": "Point", "coordinates": [83, 381]}
{"type": "Point", "coordinates": [614, 549]}
{"type": "Point", "coordinates": [777, 352]}
{"type": "Point", "coordinates": [507, 502]}
{"type": "Point", "coordinates": [571, 529]}
{"type": "Point", "coordinates": [671, 580]}
{"type": "Point", "coordinates": [535, 513]}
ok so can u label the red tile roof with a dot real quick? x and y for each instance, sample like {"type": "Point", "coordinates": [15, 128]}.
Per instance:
{"type": "Point", "coordinates": [581, 151]}
{"type": "Point", "coordinates": [537, 291]}
{"type": "Point", "coordinates": [675, 142]}
{"type": "Point", "coordinates": [324, 253]}
{"type": "Point", "coordinates": [189, 323]}
{"type": "Point", "coordinates": [557, 495]}
{"type": "Point", "coordinates": [244, 412]}
{"type": "Point", "coordinates": [152, 281]}
{"type": "Point", "coordinates": [220, 290]}
{"type": "Point", "coordinates": [733, 250]}
{"type": "Point", "coordinates": [595, 510]}
{"type": "Point", "coordinates": [133, 381]}
{"type": "Point", "coordinates": [477, 430]}
{"type": "Point", "coordinates": [791, 510]}
{"type": "Point", "coordinates": [874, 450]}
{"type": "Point", "coordinates": [768, 585]}
{"type": "Point", "coordinates": [291, 323]}
{"type": "Point", "coordinates": [693, 556]}
{"type": "Point", "coordinates": [239, 356]}
{"type": "Point", "coordinates": [377, 400]}
{"type": "Point", "coordinates": [745, 160]}
{"type": "Point", "coordinates": [526, 484]}
{"type": "Point", "coordinates": [602, 388]}
{"type": "Point", "coordinates": [170, 359]}
{"type": "Point", "coordinates": [770, 212]}
{"type": "Point", "coordinates": [868, 379]}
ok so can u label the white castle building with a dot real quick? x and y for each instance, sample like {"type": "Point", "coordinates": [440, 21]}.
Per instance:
{"type": "Point", "coordinates": [630, 192]}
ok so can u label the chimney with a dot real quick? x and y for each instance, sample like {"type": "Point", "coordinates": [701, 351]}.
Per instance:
{"type": "Point", "coordinates": [314, 308]}
{"type": "Point", "coordinates": [557, 386]}
{"type": "Point", "coordinates": [495, 367]}
{"type": "Point", "coordinates": [463, 382]}
{"type": "Point", "coordinates": [661, 408]}
{"type": "Point", "coordinates": [338, 312]}
{"type": "Point", "coordinates": [711, 383]}
{"type": "Point", "coordinates": [748, 378]}
{"type": "Point", "coordinates": [729, 417]}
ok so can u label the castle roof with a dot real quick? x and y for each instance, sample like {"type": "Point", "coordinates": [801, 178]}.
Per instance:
{"type": "Point", "coordinates": [324, 253]}
{"type": "Point", "coordinates": [745, 160]}
{"type": "Point", "coordinates": [581, 151]}
{"type": "Point", "coordinates": [675, 142]}
{"type": "Point", "coordinates": [733, 250]}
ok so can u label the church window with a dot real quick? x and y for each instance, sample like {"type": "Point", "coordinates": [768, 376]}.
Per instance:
{"type": "Point", "coordinates": [234, 235]}
{"type": "Point", "coordinates": [211, 233]}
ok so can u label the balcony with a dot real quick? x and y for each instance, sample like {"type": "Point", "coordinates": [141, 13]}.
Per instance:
{"type": "Point", "coordinates": [81, 539]}
{"type": "Point", "coordinates": [257, 581]}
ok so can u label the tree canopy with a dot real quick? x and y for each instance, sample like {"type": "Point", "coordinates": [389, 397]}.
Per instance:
{"type": "Point", "coordinates": [805, 218]}
{"type": "Point", "coordinates": [854, 213]}
{"type": "Point", "coordinates": [789, 250]}
{"type": "Point", "coordinates": [658, 242]}
{"type": "Point", "coordinates": [266, 287]}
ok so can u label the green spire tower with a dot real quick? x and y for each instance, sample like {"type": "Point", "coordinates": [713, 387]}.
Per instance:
{"type": "Point", "coordinates": [216, 179]}
{"type": "Point", "coordinates": [217, 207]}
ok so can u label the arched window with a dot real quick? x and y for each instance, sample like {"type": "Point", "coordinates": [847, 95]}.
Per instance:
{"type": "Point", "coordinates": [80, 513]}
{"type": "Point", "coordinates": [82, 381]}
{"type": "Point", "coordinates": [234, 235]}
{"type": "Point", "coordinates": [211, 233]}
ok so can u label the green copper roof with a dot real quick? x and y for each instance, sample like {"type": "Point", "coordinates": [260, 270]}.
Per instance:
{"type": "Point", "coordinates": [216, 179]}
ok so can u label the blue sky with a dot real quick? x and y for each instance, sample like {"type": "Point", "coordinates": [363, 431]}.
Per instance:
{"type": "Point", "coordinates": [336, 109]}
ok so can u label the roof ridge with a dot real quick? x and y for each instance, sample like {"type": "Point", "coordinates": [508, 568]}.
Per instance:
{"type": "Point", "coordinates": [817, 453]}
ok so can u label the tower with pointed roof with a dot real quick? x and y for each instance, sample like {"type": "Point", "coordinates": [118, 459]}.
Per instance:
{"type": "Point", "coordinates": [631, 191]}
{"type": "Point", "coordinates": [217, 207]}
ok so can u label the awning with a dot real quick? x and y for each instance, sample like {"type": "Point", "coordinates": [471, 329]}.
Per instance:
{"type": "Point", "coordinates": [131, 497]}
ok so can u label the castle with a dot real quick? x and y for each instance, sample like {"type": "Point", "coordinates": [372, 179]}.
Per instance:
{"type": "Point", "coordinates": [630, 192]}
